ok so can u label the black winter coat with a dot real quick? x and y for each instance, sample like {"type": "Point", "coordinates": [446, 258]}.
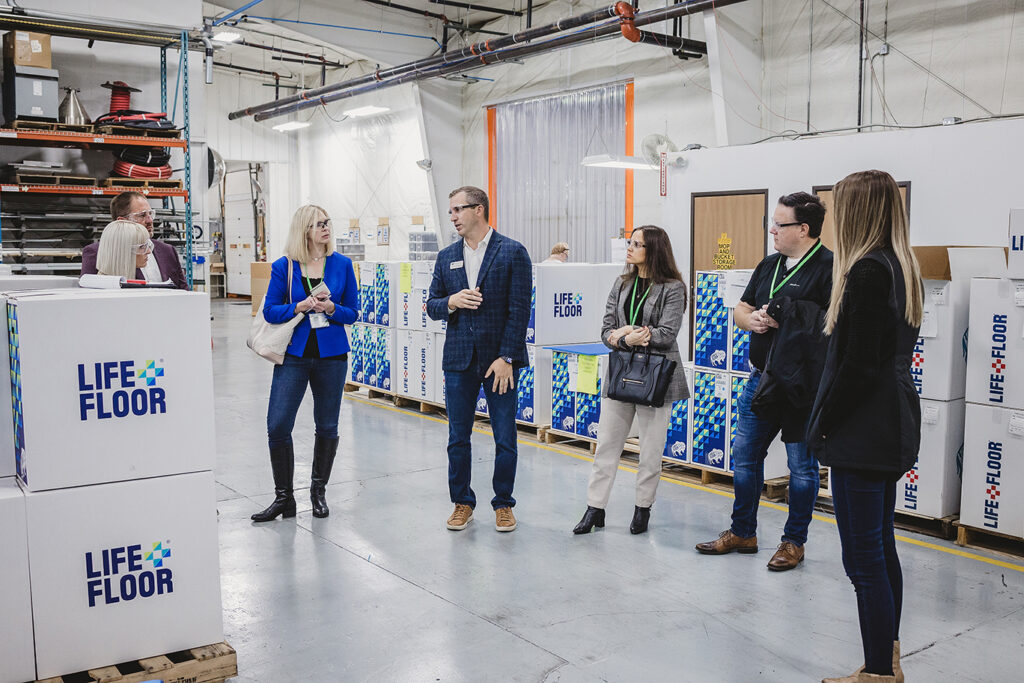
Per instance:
{"type": "Point", "coordinates": [867, 414]}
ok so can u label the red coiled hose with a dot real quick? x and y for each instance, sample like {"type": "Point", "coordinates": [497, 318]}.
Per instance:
{"type": "Point", "coordinates": [126, 170]}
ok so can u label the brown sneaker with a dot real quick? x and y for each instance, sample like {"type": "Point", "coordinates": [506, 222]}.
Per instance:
{"type": "Point", "coordinates": [461, 518]}
{"type": "Point", "coordinates": [504, 520]}
{"type": "Point", "coordinates": [788, 556]}
{"type": "Point", "coordinates": [727, 542]}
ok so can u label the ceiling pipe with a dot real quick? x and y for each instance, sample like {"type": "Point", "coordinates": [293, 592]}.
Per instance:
{"type": "Point", "coordinates": [490, 52]}
{"type": "Point", "coordinates": [478, 8]}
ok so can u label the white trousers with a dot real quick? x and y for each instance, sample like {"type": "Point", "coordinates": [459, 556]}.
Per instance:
{"type": "Point", "coordinates": [612, 430]}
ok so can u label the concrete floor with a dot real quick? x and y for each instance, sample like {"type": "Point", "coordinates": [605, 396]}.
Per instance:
{"type": "Point", "coordinates": [381, 591]}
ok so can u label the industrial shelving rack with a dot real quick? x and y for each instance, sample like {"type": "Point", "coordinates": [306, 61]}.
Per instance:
{"type": "Point", "coordinates": [81, 140]}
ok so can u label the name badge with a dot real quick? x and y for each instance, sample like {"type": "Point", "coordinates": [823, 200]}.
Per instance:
{"type": "Point", "coordinates": [318, 320]}
{"type": "Point", "coordinates": [455, 265]}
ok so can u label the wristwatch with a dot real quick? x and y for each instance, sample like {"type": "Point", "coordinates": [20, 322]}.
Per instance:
{"type": "Point", "coordinates": [507, 359]}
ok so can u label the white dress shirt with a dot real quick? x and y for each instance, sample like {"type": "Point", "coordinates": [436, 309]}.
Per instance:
{"type": "Point", "coordinates": [151, 271]}
{"type": "Point", "coordinates": [475, 257]}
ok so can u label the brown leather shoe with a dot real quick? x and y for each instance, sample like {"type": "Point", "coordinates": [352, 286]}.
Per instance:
{"type": "Point", "coordinates": [460, 518]}
{"type": "Point", "coordinates": [727, 542]}
{"type": "Point", "coordinates": [788, 556]}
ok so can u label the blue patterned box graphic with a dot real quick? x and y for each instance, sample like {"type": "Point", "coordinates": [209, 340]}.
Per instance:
{"type": "Point", "coordinates": [740, 349]}
{"type": "Point", "coordinates": [355, 356]}
{"type": "Point", "coordinates": [588, 411]}
{"type": "Point", "coordinates": [382, 357]}
{"type": "Point", "coordinates": [369, 357]}
{"type": "Point", "coordinates": [563, 401]}
{"type": "Point", "coordinates": [481, 402]}
{"type": "Point", "coordinates": [382, 296]}
{"type": "Point", "coordinates": [677, 442]}
{"type": "Point", "coordinates": [709, 421]}
{"type": "Point", "coordinates": [526, 409]}
{"type": "Point", "coordinates": [366, 296]}
{"type": "Point", "coordinates": [739, 383]}
{"type": "Point", "coordinates": [711, 324]}
{"type": "Point", "coordinates": [17, 407]}
{"type": "Point", "coordinates": [531, 327]}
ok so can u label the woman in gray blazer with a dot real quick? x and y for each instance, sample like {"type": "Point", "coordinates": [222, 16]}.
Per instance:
{"type": "Point", "coordinates": [645, 308]}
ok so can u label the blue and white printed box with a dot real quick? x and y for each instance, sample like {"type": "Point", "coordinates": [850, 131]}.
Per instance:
{"type": "Point", "coordinates": [385, 292]}
{"type": "Point", "coordinates": [993, 484]}
{"type": "Point", "coordinates": [366, 337]}
{"type": "Point", "coordinates": [572, 410]}
{"type": "Point", "coordinates": [932, 486]}
{"type": "Point", "coordinates": [736, 282]}
{"type": "Point", "coordinates": [534, 388]}
{"type": "Point", "coordinates": [17, 651]}
{"type": "Point", "coordinates": [1015, 242]}
{"type": "Point", "coordinates": [588, 406]}
{"type": "Point", "coordinates": [995, 347]}
{"type": "Point", "coordinates": [680, 425]}
{"type": "Point", "coordinates": [712, 339]}
{"type": "Point", "coordinates": [112, 390]}
{"type": "Point", "coordinates": [383, 356]}
{"type": "Point", "coordinates": [481, 402]}
{"type": "Point", "coordinates": [416, 365]}
{"type": "Point", "coordinates": [563, 391]}
{"type": "Point", "coordinates": [367, 274]}
{"type": "Point", "coordinates": [143, 553]}
{"type": "Point", "coordinates": [569, 302]}
{"type": "Point", "coordinates": [355, 354]}
{"type": "Point", "coordinates": [711, 419]}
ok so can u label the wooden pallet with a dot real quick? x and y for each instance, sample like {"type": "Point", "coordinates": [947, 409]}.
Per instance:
{"type": "Point", "coordinates": [557, 436]}
{"type": "Point", "coordinates": [208, 664]}
{"type": "Point", "coordinates": [112, 129]}
{"type": "Point", "coordinates": [155, 183]}
{"type": "Point", "coordinates": [988, 540]}
{"type": "Point", "coordinates": [48, 179]}
{"type": "Point", "coordinates": [425, 407]}
{"type": "Point", "coordinates": [371, 392]}
{"type": "Point", "coordinates": [53, 126]}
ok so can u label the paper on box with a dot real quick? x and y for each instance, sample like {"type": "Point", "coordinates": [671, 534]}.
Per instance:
{"type": "Point", "coordinates": [138, 576]}
{"type": "Point", "coordinates": [993, 483]}
{"type": "Point", "coordinates": [17, 655]}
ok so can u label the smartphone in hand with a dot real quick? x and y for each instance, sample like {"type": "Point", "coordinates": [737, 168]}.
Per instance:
{"type": "Point", "coordinates": [321, 291]}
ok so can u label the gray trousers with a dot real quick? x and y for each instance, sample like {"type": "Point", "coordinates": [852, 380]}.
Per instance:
{"type": "Point", "coordinates": [616, 419]}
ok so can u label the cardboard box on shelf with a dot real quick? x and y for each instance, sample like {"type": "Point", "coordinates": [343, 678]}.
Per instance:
{"type": "Point", "coordinates": [259, 281]}
{"type": "Point", "coordinates": [995, 346]}
{"type": "Point", "coordinates": [120, 399]}
{"type": "Point", "coordinates": [992, 496]}
{"type": "Point", "coordinates": [145, 554]}
{"type": "Point", "coordinates": [932, 487]}
{"type": "Point", "coordinates": [27, 48]}
{"type": "Point", "coordinates": [17, 652]}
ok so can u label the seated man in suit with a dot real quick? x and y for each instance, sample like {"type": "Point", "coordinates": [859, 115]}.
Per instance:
{"type": "Point", "coordinates": [163, 265]}
{"type": "Point", "coordinates": [481, 285]}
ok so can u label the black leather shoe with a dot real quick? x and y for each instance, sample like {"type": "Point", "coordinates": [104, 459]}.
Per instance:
{"type": "Point", "coordinates": [324, 450]}
{"type": "Point", "coordinates": [282, 463]}
{"type": "Point", "coordinates": [591, 518]}
{"type": "Point", "coordinates": [641, 516]}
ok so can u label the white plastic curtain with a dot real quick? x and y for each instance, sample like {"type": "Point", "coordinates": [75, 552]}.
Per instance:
{"type": "Point", "coordinates": [544, 194]}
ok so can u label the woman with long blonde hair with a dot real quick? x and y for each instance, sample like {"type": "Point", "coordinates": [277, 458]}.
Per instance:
{"type": "Point", "coordinates": [866, 420]}
{"type": "Point", "coordinates": [323, 288]}
{"type": "Point", "coordinates": [124, 248]}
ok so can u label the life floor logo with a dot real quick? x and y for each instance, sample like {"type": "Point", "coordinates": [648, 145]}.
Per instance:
{"type": "Point", "coordinates": [126, 573]}
{"type": "Point", "coordinates": [917, 364]}
{"type": "Point", "coordinates": [993, 474]}
{"type": "Point", "coordinates": [120, 388]}
{"type": "Point", "coordinates": [910, 489]}
{"type": "Point", "coordinates": [568, 305]}
{"type": "Point", "coordinates": [997, 378]}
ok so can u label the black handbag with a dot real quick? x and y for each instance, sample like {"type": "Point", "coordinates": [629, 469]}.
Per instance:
{"type": "Point", "coordinates": [639, 377]}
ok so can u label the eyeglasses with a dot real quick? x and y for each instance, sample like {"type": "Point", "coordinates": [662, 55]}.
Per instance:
{"type": "Point", "coordinates": [459, 208]}
{"type": "Point", "coordinates": [144, 248]}
{"type": "Point", "coordinates": [140, 215]}
{"type": "Point", "coordinates": [321, 225]}
{"type": "Point", "coordinates": [778, 226]}
{"type": "Point", "coordinates": [636, 245]}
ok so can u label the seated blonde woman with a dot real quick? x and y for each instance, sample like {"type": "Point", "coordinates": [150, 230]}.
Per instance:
{"type": "Point", "coordinates": [124, 249]}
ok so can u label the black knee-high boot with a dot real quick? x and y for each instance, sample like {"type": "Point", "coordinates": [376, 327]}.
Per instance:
{"type": "Point", "coordinates": [282, 463]}
{"type": "Point", "coordinates": [324, 450]}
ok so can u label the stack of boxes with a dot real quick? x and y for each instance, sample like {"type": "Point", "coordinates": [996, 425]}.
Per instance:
{"type": "Point", "coordinates": [574, 411]}
{"type": "Point", "coordinates": [119, 503]}
{"type": "Point", "coordinates": [993, 461]}
{"type": "Point", "coordinates": [29, 83]}
{"type": "Point", "coordinates": [372, 337]}
{"type": "Point", "coordinates": [417, 373]}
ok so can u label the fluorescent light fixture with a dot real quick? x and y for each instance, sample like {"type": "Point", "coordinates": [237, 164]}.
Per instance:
{"type": "Point", "coordinates": [617, 161]}
{"type": "Point", "coordinates": [226, 36]}
{"type": "Point", "coordinates": [291, 125]}
{"type": "Point", "coordinates": [368, 110]}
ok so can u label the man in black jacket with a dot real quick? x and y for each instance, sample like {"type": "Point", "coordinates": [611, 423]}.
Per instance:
{"type": "Point", "coordinates": [782, 306]}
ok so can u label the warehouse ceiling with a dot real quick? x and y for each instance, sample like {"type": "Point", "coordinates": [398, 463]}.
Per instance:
{"type": "Point", "coordinates": [370, 30]}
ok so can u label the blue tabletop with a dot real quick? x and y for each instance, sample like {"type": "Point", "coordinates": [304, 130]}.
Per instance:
{"type": "Point", "coordinates": [582, 349]}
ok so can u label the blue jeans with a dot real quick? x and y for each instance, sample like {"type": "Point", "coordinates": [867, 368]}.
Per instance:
{"type": "Point", "coordinates": [865, 508]}
{"type": "Point", "coordinates": [753, 437]}
{"type": "Point", "coordinates": [326, 377]}
{"type": "Point", "coordinates": [461, 391]}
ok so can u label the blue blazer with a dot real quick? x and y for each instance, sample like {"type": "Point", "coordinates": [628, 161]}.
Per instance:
{"type": "Point", "coordinates": [498, 327]}
{"type": "Point", "coordinates": [339, 276]}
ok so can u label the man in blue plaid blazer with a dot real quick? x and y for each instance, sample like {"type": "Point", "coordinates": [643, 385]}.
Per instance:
{"type": "Point", "coordinates": [481, 286]}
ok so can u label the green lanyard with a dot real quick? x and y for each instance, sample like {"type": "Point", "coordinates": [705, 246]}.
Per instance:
{"type": "Point", "coordinates": [775, 288]}
{"type": "Point", "coordinates": [634, 307]}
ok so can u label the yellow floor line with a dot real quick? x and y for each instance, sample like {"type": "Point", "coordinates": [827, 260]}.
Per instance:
{"type": "Point", "coordinates": [700, 487]}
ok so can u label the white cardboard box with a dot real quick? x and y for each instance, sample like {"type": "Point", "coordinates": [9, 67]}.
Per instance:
{"type": "Point", "coordinates": [416, 373]}
{"type": "Point", "coordinates": [1015, 265]}
{"type": "Point", "coordinates": [995, 347]}
{"type": "Point", "coordinates": [932, 487]}
{"type": "Point", "coordinates": [993, 486]}
{"type": "Point", "coordinates": [569, 301]}
{"type": "Point", "coordinates": [385, 292]}
{"type": "Point", "coordinates": [17, 654]}
{"type": "Point", "coordinates": [121, 373]}
{"type": "Point", "coordinates": [534, 387]}
{"type": "Point", "coordinates": [123, 571]}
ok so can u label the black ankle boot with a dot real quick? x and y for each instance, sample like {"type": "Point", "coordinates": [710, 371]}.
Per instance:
{"type": "Point", "coordinates": [282, 463]}
{"type": "Point", "coordinates": [641, 516]}
{"type": "Point", "coordinates": [324, 450]}
{"type": "Point", "coordinates": [591, 518]}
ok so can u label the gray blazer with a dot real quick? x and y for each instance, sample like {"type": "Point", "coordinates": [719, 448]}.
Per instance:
{"type": "Point", "coordinates": [663, 312]}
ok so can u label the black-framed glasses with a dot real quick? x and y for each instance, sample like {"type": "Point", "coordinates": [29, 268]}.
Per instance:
{"type": "Point", "coordinates": [321, 224]}
{"type": "Point", "coordinates": [778, 226]}
{"type": "Point", "coordinates": [637, 245]}
{"type": "Point", "coordinates": [459, 208]}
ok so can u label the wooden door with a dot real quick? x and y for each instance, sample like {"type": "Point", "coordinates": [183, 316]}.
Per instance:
{"type": "Point", "coordinates": [828, 228]}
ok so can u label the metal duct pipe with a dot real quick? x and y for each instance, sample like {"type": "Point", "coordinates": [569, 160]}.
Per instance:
{"type": "Point", "coordinates": [486, 53]}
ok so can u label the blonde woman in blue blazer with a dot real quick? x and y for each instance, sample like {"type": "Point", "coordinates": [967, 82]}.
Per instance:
{"type": "Point", "coordinates": [317, 356]}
